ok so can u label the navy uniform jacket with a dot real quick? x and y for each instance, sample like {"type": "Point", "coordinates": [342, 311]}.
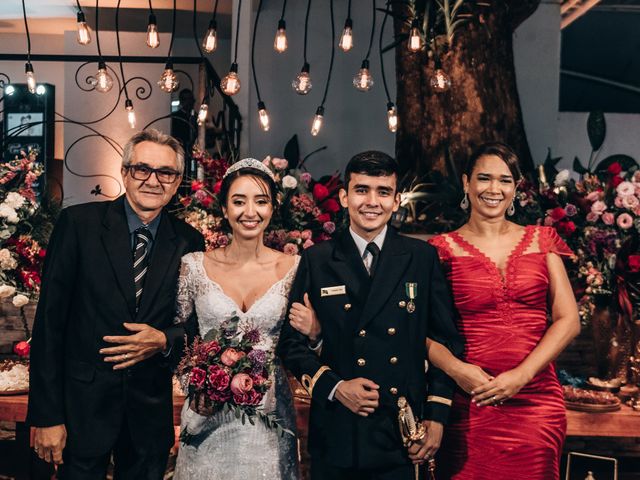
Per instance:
{"type": "Point", "coordinates": [368, 332]}
{"type": "Point", "coordinates": [88, 292]}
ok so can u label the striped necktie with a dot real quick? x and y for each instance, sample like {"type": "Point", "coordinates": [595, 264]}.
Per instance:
{"type": "Point", "coordinates": [140, 260]}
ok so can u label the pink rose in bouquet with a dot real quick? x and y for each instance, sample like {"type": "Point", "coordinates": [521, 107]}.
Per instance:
{"type": "Point", "coordinates": [241, 383]}
{"type": "Point", "coordinates": [231, 356]}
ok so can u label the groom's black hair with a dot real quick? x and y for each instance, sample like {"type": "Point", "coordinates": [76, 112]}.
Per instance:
{"type": "Point", "coordinates": [373, 163]}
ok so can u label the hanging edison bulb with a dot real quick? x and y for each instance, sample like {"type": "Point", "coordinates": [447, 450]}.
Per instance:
{"type": "Point", "coordinates": [202, 113]}
{"type": "Point", "coordinates": [317, 121]}
{"type": "Point", "coordinates": [440, 81]}
{"type": "Point", "coordinates": [392, 117]}
{"type": "Point", "coordinates": [346, 39]}
{"type": "Point", "coordinates": [415, 40]}
{"type": "Point", "coordinates": [168, 81]}
{"type": "Point", "coordinates": [302, 83]}
{"type": "Point", "coordinates": [263, 115]}
{"type": "Point", "coordinates": [84, 34]}
{"type": "Point", "coordinates": [153, 39]}
{"type": "Point", "coordinates": [131, 114]}
{"type": "Point", "coordinates": [210, 40]}
{"type": "Point", "coordinates": [31, 78]}
{"type": "Point", "coordinates": [280, 42]}
{"type": "Point", "coordinates": [230, 84]}
{"type": "Point", "coordinates": [103, 81]}
{"type": "Point", "coordinates": [363, 81]}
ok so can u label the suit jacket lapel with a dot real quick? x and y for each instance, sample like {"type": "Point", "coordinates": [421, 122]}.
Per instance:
{"type": "Point", "coordinates": [349, 268]}
{"type": "Point", "coordinates": [392, 264]}
{"type": "Point", "coordinates": [117, 243]}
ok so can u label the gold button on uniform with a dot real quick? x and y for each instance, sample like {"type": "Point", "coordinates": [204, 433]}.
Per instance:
{"type": "Point", "coordinates": [402, 304]}
{"type": "Point", "coordinates": [347, 306]}
{"type": "Point", "coordinates": [391, 331]}
{"type": "Point", "coordinates": [362, 362]}
{"type": "Point", "coordinates": [393, 360]}
{"type": "Point", "coordinates": [393, 391]}
{"type": "Point", "coordinates": [362, 333]}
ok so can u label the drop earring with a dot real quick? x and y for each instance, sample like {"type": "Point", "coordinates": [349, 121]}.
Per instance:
{"type": "Point", "coordinates": [511, 210]}
{"type": "Point", "coordinates": [464, 204]}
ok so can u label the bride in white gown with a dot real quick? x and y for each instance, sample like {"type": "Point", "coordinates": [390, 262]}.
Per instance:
{"type": "Point", "coordinates": [251, 281]}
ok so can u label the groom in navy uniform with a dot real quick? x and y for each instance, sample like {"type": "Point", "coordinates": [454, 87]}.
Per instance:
{"type": "Point", "coordinates": [377, 297]}
{"type": "Point", "coordinates": [100, 379]}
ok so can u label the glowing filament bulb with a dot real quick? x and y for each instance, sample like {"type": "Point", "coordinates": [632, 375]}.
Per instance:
{"type": "Point", "coordinates": [263, 116]}
{"type": "Point", "coordinates": [230, 84]}
{"type": "Point", "coordinates": [210, 41]}
{"type": "Point", "coordinates": [415, 41]}
{"type": "Point", "coordinates": [280, 42]}
{"type": "Point", "coordinates": [392, 117]}
{"type": "Point", "coordinates": [31, 78]}
{"type": "Point", "coordinates": [103, 81]}
{"type": "Point", "coordinates": [440, 81]}
{"type": "Point", "coordinates": [363, 81]}
{"type": "Point", "coordinates": [302, 83]}
{"type": "Point", "coordinates": [84, 34]}
{"type": "Point", "coordinates": [168, 81]}
{"type": "Point", "coordinates": [346, 39]}
{"type": "Point", "coordinates": [153, 40]}
{"type": "Point", "coordinates": [317, 121]}
{"type": "Point", "coordinates": [131, 114]}
{"type": "Point", "coordinates": [202, 113]}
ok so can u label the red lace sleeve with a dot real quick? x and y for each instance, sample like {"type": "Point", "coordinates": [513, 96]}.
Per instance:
{"type": "Point", "coordinates": [550, 241]}
{"type": "Point", "coordinates": [442, 246]}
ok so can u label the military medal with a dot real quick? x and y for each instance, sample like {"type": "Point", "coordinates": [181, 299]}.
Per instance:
{"type": "Point", "coordinates": [412, 292]}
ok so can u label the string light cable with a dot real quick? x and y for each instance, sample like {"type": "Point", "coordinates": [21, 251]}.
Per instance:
{"type": "Point", "coordinates": [168, 81]}
{"type": "Point", "coordinates": [280, 42]}
{"type": "Point", "coordinates": [392, 112]}
{"type": "Point", "coordinates": [302, 83]}
{"type": "Point", "coordinates": [263, 115]}
{"type": "Point", "coordinates": [103, 82]}
{"type": "Point", "coordinates": [363, 81]}
{"type": "Point", "coordinates": [319, 116]}
{"type": "Point", "coordinates": [28, 68]}
{"type": "Point", "coordinates": [153, 38]}
{"type": "Point", "coordinates": [83, 34]}
{"type": "Point", "coordinates": [230, 84]}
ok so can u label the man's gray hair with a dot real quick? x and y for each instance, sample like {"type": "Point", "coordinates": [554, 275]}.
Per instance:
{"type": "Point", "coordinates": [155, 136]}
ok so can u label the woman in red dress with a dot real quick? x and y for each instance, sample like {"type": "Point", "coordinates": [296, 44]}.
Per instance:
{"type": "Point", "coordinates": [508, 417]}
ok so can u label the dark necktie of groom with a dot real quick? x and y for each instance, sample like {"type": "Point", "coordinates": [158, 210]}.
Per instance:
{"type": "Point", "coordinates": [374, 250]}
{"type": "Point", "coordinates": [140, 260]}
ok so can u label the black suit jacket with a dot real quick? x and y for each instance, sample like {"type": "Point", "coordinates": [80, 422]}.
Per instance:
{"type": "Point", "coordinates": [368, 332]}
{"type": "Point", "coordinates": [88, 292]}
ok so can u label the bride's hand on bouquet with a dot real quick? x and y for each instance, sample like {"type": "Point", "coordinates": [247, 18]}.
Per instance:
{"type": "Point", "coordinates": [303, 318]}
{"type": "Point", "coordinates": [469, 377]}
{"type": "Point", "coordinates": [199, 405]}
{"type": "Point", "coordinates": [500, 389]}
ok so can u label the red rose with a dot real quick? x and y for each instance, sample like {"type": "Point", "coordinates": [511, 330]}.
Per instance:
{"type": "Point", "coordinates": [218, 378]}
{"type": "Point", "coordinates": [323, 217]}
{"type": "Point", "coordinates": [331, 206]}
{"type": "Point", "coordinates": [248, 398]}
{"type": "Point", "coordinates": [211, 348]}
{"type": "Point", "coordinates": [566, 228]}
{"type": "Point", "coordinates": [196, 185]}
{"type": "Point", "coordinates": [42, 253]}
{"type": "Point", "coordinates": [558, 213]}
{"type": "Point", "coordinates": [634, 263]}
{"type": "Point", "coordinates": [22, 349]}
{"type": "Point", "coordinates": [217, 186]}
{"type": "Point", "coordinates": [320, 192]}
{"type": "Point", "coordinates": [206, 201]}
{"type": "Point", "coordinates": [614, 169]}
{"type": "Point", "coordinates": [197, 377]}
{"type": "Point", "coordinates": [615, 181]}
{"type": "Point", "coordinates": [219, 395]}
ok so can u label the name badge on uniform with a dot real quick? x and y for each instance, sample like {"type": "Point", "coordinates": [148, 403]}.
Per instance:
{"type": "Point", "coordinates": [330, 291]}
{"type": "Point", "coordinates": [411, 288]}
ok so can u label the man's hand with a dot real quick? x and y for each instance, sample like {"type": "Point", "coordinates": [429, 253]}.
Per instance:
{"type": "Point", "coordinates": [303, 318]}
{"type": "Point", "coordinates": [134, 348]}
{"type": "Point", "coordinates": [49, 442]}
{"type": "Point", "coordinates": [359, 395]}
{"type": "Point", "coordinates": [423, 450]}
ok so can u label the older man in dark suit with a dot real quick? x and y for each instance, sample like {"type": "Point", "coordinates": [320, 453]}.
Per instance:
{"type": "Point", "coordinates": [100, 379]}
{"type": "Point", "coordinates": [377, 296]}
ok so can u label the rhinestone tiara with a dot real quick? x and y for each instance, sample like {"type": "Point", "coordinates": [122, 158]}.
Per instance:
{"type": "Point", "coordinates": [250, 163]}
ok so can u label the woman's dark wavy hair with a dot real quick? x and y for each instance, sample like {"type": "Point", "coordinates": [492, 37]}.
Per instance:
{"type": "Point", "coordinates": [261, 179]}
{"type": "Point", "coordinates": [501, 150]}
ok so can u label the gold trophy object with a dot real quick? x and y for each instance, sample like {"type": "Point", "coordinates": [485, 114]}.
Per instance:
{"type": "Point", "coordinates": [412, 430]}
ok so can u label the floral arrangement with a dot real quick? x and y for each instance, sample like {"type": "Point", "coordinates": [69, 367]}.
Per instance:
{"type": "Point", "coordinates": [308, 211]}
{"type": "Point", "coordinates": [229, 371]}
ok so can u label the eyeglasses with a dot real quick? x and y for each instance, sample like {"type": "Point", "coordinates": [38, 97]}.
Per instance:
{"type": "Point", "coordinates": [143, 173]}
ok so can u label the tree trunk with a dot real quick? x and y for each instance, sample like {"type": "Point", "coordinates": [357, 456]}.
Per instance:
{"type": "Point", "coordinates": [482, 104]}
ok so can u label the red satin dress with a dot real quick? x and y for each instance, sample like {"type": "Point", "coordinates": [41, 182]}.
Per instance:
{"type": "Point", "coordinates": [502, 317]}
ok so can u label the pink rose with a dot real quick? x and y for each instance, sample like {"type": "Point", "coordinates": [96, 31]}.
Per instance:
{"type": "Point", "coordinates": [294, 234]}
{"type": "Point", "coordinates": [598, 207]}
{"type": "Point", "coordinates": [625, 221]}
{"type": "Point", "coordinates": [618, 202]}
{"type": "Point", "coordinates": [211, 348]}
{"type": "Point", "coordinates": [197, 377]}
{"type": "Point", "coordinates": [548, 221]}
{"type": "Point", "coordinates": [608, 218]}
{"type": "Point", "coordinates": [231, 356]}
{"type": "Point", "coordinates": [306, 234]}
{"type": "Point", "coordinates": [636, 210]}
{"type": "Point", "coordinates": [241, 383]}
{"type": "Point", "coordinates": [592, 217]}
{"type": "Point", "coordinates": [593, 196]}
{"type": "Point", "coordinates": [307, 243]}
{"type": "Point", "coordinates": [306, 178]}
{"type": "Point", "coordinates": [329, 227]}
{"type": "Point", "coordinates": [630, 202]}
{"type": "Point", "coordinates": [636, 176]}
{"type": "Point", "coordinates": [290, 249]}
{"type": "Point", "coordinates": [625, 188]}
{"type": "Point", "coordinates": [218, 378]}
{"type": "Point", "coordinates": [279, 163]}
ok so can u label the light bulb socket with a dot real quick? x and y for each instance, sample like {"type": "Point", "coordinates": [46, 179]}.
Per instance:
{"type": "Point", "coordinates": [415, 23]}
{"type": "Point", "coordinates": [305, 68]}
{"type": "Point", "coordinates": [128, 104]}
{"type": "Point", "coordinates": [152, 19]}
{"type": "Point", "coordinates": [28, 68]}
{"type": "Point", "coordinates": [365, 64]}
{"type": "Point", "coordinates": [234, 68]}
{"type": "Point", "coordinates": [320, 111]}
{"type": "Point", "coordinates": [282, 25]}
{"type": "Point", "coordinates": [261, 105]}
{"type": "Point", "coordinates": [437, 62]}
{"type": "Point", "coordinates": [213, 25]}
{"type": "Point", "coordinates": [348, 23]}
{"type": "Point", "coordinates": [390, 105]}
{"type": "Point", "coordinates": [81, 18]}
{"type": "Point", "coordinates": [102, 65]}
{"type": "Point", "coordinates": [168, 65]}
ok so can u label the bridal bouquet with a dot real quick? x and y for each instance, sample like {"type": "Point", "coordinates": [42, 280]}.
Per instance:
{"type": "Point", "coordinates": [227, 371]}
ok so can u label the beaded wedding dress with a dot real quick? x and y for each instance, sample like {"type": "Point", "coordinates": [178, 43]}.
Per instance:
{"type": "Point", "coordinates": [222, 447]}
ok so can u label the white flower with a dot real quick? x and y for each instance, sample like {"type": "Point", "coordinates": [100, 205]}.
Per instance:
{"type": "Point", "coordinates": [562, 178]}
{"type": "Point", "coordinates": [14, 200]}
{"type": "Point", "coordinates": [9, 213]}
{"type": "Point", "coordinates": [289, 182]}
{"type": "Point", "coordinates": [625, 188]}
{"type": "Point", "coordinates": [7, 262]}
{"type": "Point", "coordinates": [20, 300]}
{"type": "Point", "coordinates": [6, 291]}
